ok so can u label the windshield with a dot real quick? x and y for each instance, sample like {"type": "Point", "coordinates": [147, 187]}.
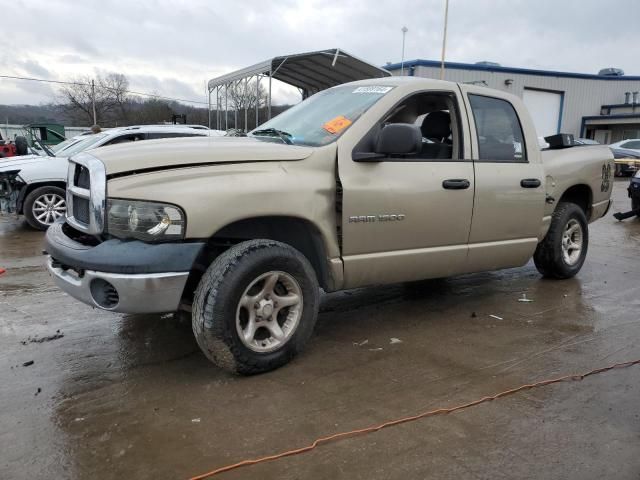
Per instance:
{"type": "Point", "coordinates": [62, 145]}
{"type": "Point", "coordinates": [84, 144]}
{"type": "Point", "coordinates": [322, 118]}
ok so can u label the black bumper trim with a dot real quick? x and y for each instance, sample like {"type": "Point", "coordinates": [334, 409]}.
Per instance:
{"type": "Point", "coordinates": [120, 256]}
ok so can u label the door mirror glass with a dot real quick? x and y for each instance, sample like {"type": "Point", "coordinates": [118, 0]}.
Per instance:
{"type": "Point", "coordinates": [399, 139]}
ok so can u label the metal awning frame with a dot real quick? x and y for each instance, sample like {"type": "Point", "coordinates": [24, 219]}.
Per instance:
{"type": "Point", "coordinates": [221, 100]}
{"type": "Point", "coordinates": [306, 71]}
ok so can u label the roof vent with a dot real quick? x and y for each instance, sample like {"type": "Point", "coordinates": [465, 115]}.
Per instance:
{"type": "Point", "coordinates": [611, 72]}
{"type": "Point", "coordinates": [485, 63]}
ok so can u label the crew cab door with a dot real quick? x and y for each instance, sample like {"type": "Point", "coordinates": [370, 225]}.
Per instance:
{"type": "Point", "coordinates": [408, 217]}
{"type": "Point", "coordinates": [509, 195]}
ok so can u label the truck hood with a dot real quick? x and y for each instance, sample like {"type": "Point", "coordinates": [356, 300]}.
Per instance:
{"type": "Point", "coordinates": [15, 163]}
{"type": "Point", "coordinates": [153, 155]}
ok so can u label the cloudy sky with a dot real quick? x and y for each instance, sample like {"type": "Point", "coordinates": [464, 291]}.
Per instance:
{"type": "Point", "coordinates": [172, 47]}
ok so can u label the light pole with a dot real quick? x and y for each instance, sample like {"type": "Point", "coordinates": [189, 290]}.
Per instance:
{"type": "Point", "coordinates": [404, 34]}
{"type": "Point", "coordinates": [444, 38]}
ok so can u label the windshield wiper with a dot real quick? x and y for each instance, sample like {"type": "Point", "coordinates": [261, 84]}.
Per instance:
{"type": "Point", "coordinates": [274, 132]}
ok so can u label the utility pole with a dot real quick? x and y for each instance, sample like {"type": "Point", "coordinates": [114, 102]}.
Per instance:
{"type": "Point", "coordinates": [404, 34]}
{"type": "Point", "coordinates": [93, 100]}
{"type": "Point", "coordinates": [444, 38]}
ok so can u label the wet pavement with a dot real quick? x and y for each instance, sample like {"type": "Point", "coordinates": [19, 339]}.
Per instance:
{"type": "Point", "coordinates": [113, 396]}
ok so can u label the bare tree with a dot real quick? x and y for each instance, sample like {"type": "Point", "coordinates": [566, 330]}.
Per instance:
{"type": "Point", "coordinates": [242, 95]}
{"type": "Point", "coordinates": [110, 98]}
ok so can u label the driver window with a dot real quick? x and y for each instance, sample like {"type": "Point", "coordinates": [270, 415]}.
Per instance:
{"type": "Point", "coordinates": [132, 137]}
{"type": "Point", "coordinates": [435, 115]}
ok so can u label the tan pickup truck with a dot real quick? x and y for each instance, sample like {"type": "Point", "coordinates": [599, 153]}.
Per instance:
{"type": "Point", "coordinates": [372, 182]}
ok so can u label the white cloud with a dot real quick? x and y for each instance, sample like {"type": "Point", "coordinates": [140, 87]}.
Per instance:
{"type": "Point", "coordinates": [172, 47]}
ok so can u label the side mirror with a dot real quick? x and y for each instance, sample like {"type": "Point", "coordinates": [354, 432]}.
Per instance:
{"type": "Point", "coordinates": [399, 139]}
{"type": "Point", "coordinates": [393, 139]}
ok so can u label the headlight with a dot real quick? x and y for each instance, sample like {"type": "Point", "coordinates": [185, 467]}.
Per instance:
{"type": "Point", "coordinates": [148, 221]}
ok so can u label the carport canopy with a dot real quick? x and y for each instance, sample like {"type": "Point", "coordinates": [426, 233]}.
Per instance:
{"type": "Point", "coordinates": [311, 72]}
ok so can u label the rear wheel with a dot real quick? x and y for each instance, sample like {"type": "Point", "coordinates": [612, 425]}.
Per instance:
{"type": "Point", "coordinates": [43, 206]}
{"type": "Point", "coordinates": [255, 307]}
{"type": "Point", "coordinates": [562, 252]}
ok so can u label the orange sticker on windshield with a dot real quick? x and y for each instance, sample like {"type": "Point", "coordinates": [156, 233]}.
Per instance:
{"type": "Point", "coordinates": [337, 124]}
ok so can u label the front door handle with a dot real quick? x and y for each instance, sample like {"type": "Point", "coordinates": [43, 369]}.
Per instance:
{"type": "Point", "coordinates": [456, 184]}
{"type": "Point", "coordinates": [530, 183]}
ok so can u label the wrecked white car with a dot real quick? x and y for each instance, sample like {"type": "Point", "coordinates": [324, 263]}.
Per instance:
{"type": "Point", "coordinates": [34, 186]}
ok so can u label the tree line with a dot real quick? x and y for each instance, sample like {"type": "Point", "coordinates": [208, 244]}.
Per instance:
{"type": "Point", "coordinates": [116, 106]}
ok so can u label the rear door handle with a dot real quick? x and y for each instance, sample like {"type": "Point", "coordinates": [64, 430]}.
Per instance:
{"type": "Point", "coordinates": [456, 184]}
{"type": "Point", "coordinates": [530, 183]}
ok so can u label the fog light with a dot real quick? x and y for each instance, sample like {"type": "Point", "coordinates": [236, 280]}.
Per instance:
{"type": "Point", "coordinates": [104, 294]}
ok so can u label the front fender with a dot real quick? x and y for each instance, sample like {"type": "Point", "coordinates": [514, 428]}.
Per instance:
{"type": "Point", "coordinates": [215, 196]}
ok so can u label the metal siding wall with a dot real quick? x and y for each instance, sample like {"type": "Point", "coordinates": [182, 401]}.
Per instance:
{"type": "Point", "coordinates": [582, 97]}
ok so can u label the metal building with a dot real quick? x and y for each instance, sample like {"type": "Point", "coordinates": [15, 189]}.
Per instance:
{"type": "Point", "coordinates": [603, 106]}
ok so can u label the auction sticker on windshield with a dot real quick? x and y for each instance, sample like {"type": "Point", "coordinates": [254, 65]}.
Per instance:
{"type": "Point", "coordinates": [337, 124]}
{"type": "Point", "coordinates": [372, 89]}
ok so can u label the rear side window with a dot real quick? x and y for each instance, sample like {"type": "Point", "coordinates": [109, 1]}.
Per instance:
{"type": "Point", "coordinates": [500, 137]}
{"type": "Point", "coordinates": [132, 137]}
{"type": "Point", "coordinates": [156, 135]}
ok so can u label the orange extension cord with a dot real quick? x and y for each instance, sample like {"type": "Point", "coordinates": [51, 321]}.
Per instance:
{"type": "Point", "coordinates": [439, 411]}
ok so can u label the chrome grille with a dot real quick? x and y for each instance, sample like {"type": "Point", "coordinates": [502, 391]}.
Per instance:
{"type": "Point", "coordinates": [81, 210]}
{"type": "Point", "coordinates": [82, 177]}
{"type": "Point", "coordinates": [86, 192]}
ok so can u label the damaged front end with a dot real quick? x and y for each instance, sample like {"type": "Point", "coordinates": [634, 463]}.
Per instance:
{"type": "Point", "coordinates": [11, 186]}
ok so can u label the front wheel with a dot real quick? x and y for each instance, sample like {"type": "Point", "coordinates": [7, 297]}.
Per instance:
{"type": "Point", "coordinates": [255, 307]}
{"type": "Point", "coordinates": [44, 206]}
{"type": "Point", "coordinates": [564, 248]}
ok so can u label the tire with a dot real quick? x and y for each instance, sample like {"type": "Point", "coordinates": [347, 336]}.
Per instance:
{"type": "Point", "coordinates": [22, 146]}
{"type": "Point", "coordinates": [554, 257]}
{"type": "Point", "coordinates": [42, 206]}
{"type": "Point", "coordinates": [635, 205]}
{"type": "Point", "coordinates": [235, 288]}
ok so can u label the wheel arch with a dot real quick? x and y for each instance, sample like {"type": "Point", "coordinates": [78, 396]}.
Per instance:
{"type": "Point", "coordinates": [30, 187]}
{"type": "Point", "coordinates": [580, 194]}
{"type": "Point", "coordinates": [297, 232]}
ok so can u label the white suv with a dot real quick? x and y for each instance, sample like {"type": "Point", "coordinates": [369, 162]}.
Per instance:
{"type": "Point", "coordinates": [34, 185]}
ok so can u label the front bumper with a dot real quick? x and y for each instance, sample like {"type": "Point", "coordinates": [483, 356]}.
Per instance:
{"type": "Point", "coordinates": [121, 276]}
{"type": "Point", "coordinates": [136, 293]}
